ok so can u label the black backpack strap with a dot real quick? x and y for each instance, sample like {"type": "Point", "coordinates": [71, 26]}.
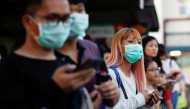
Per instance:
{"type": "Point", "coordinates": [120, 84]}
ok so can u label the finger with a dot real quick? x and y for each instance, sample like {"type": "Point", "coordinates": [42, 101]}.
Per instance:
{"type": "Point", "coordinates": [155, 98]}
{"type": "Point", "coordinates": [68, 67]}
{"type": "Point", "coordinates": [157, 93]}
{"type": "Point", "coordinates": [107, 86]}
{"type": "Point", "coordinates": [93, 93]}
{"type": "Point", "coordinates": [110, 95]}
{"type": "Point", "coordinates": [82, 78]}
{"type": "Point", "coordinates": [84, 73]}
{"type": "Point", "coordinates": [97, 99]}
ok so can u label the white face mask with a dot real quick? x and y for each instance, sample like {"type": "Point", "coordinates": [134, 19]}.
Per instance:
{"type": "Point", "coordinates": [133, 52]}
{"type": "Point", "coordinates": [52, 34]}
{"type": "Point", "coordinates": [80, 22]}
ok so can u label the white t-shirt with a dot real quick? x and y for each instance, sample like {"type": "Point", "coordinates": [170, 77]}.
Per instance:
{"type": "Point", "coordinates": [134, 100]}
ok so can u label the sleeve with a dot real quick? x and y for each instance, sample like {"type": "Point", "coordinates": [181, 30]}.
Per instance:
{"type": "Point", "coordinates": [12, 88]}
{"type": "Point", "coordinates": [166, 95]}
{"type": "Point", "coordinates": [132, 102]}
{"type": "Point", "coordinates": [174, 65]}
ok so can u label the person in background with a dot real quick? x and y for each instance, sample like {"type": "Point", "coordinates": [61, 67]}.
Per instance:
{"type": "Point", "coordinates": [153, 77]}
{"type": "Point", "coordinates": [102, 45]}
{"type": "Point", "coordinates": [126, 67]}
{"type": "Point", "coordinates": [32, 77]}
{"type": "Point", "coordinates": [172, 70]}
{"type": "Point", "coordinates": [150, 48]}
{"type": "Point", "coordinates": [77, 50]}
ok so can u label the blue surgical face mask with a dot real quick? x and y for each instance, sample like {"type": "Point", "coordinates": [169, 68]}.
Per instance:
{"type": "Point", "coordinates": [133, 52]}
{"type": "Point", "coordinates": [53, 34]}
{"type": "Point", "coordinates": [80, 22]}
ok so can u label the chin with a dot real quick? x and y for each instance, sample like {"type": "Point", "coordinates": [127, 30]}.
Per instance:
{"type": "Point", "coordinates": [154, 55]}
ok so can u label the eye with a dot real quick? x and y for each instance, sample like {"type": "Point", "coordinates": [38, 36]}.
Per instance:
{"type": "Point", "coordinates": [130, 41]}
{"type": "Point", "coordinates": [65, 17]}
{"type": "Point", "coordinates": [52, 17]}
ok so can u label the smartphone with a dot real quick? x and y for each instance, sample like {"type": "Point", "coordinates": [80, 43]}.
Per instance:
{"type": "Point", "coordinates": [101, 78]}
{"type": "Point", "coordinates": [173, 75]}
{"type": "Point", "coordinates": [150, 102]}
{"type": "Point", "coordinates": [90, 63]}
{"type": "Point", "coordinates": [101, 72]}
{"type": "Point", "coordinates": [172, 81]}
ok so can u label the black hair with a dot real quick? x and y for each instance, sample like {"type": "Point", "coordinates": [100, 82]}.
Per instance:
{"type": "Point", "coordinates": [26, 6]}
{"type": "Point", "coordinates": [147, 39]}
{"type": "Point", "coordinates": [162, 50]}
{"type": "Point", "coordinates": [147, 62]}
{"type": "Point", "coordinates": [157, 59]}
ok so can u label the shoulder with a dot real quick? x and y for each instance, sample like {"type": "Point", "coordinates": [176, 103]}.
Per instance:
{"type": "Point", "coordinates": [87, 43]}
{"type": "Point", "coordinates": [8, 64]}
{"type": "Point", "coordinates": [9, 59]}
{"type": "Point", "coordinates": [112, 71]}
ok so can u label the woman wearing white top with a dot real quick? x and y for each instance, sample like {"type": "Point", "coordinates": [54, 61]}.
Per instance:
{"type": "Point", "coordinates": [126, 63]}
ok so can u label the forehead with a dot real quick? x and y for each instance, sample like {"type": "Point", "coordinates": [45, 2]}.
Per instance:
{"type": "Point", "coordinates": [56, 6]}
{"type": "Point", "coordinates": [134, 36]}
{"type": "Point", "coordinates": [77, 7]}
{"type": "Point", "coordinates": [152, 64]}
{"type": "Point", "coordinates": [152, 42]}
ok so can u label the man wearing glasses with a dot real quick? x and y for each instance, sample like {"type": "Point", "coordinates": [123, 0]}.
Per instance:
{"type": "Point", "coordinates": [32, 77]}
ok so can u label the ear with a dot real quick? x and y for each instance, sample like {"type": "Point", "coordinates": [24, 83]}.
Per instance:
{"type": "Point", "coordinates": [30, 25]}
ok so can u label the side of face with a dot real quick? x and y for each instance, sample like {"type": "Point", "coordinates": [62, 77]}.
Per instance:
{"type": "Point", "coordinates": [151, 48]}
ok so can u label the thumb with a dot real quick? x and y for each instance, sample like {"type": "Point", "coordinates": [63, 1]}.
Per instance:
{"type": "Point", "coordinates": [67, 67]}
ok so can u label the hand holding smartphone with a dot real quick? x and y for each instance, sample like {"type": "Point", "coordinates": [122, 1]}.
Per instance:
{"type": "Point", "coordinates": [101, 71]}
{"type": "Point", "coordinates": [154, 97]}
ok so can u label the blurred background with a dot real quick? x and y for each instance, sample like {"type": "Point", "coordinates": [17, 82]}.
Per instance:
{"type": "Point", "coordinates": [167, 20]}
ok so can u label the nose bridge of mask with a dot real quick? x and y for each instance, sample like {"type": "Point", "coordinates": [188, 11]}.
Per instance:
{"type": "Point", "coordinates": [130, 48]}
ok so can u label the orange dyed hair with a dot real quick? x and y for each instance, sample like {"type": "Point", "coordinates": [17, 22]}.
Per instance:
{"type": "Point", "coordinates": [116, 57]}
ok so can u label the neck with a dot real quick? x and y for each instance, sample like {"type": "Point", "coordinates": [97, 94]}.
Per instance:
{"type": "Point", "coordinates": [70, 49]}
{"type": "Point", "coordinates": [149, 57]}
{"type": "Point", "coordinates": [126, 68]}
{"type": "Point", "coordinates": [33, 50]}
{"type": "Point", "coordinates": [70, 45]}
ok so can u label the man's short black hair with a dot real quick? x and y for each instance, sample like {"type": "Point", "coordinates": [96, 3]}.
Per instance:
{"type": "Point", "coordinates": [27, 6]}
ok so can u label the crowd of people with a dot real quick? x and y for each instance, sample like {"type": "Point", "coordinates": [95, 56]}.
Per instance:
{"type": "Point", "coordinates": [57, 68]}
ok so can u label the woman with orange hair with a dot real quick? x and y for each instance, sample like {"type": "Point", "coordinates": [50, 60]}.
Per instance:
{"type": "Point", "coordinates": [126, 67]}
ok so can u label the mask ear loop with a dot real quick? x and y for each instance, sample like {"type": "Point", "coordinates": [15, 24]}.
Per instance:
{"type": "Point", "coordinates": [37, 26]}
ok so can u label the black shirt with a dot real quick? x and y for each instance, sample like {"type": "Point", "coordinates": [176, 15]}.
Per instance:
{"type": "Point", "coordinates": [26, 84]}
{"type": "Point", "coordinates": [67, 59]}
